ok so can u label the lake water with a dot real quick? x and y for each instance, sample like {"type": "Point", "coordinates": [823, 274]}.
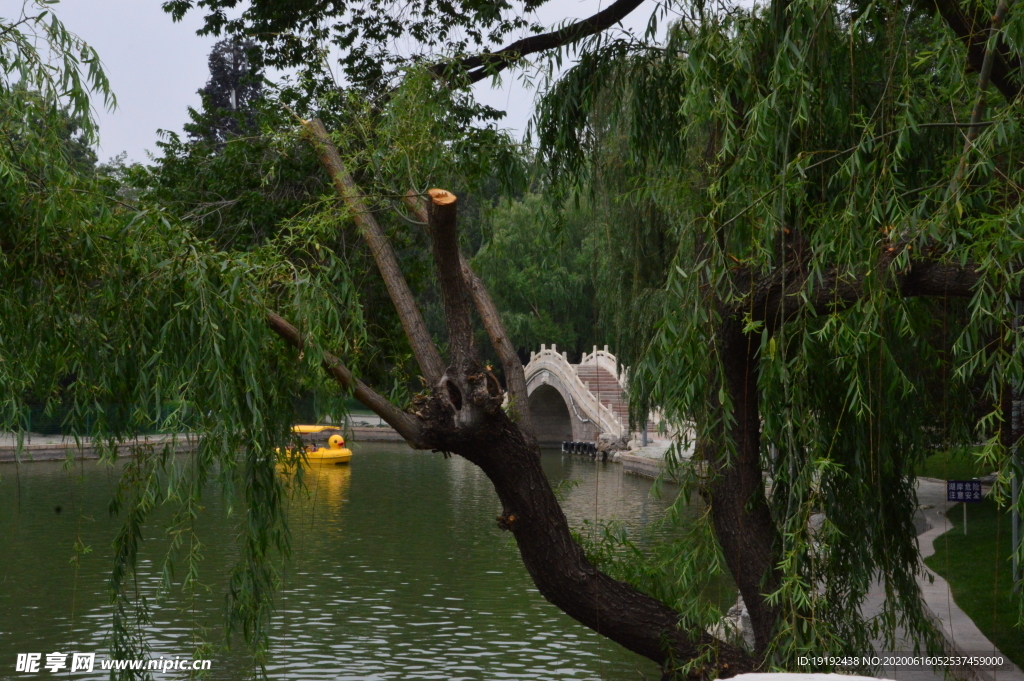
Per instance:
{"type": "Point", "coordinates": [398, 571]}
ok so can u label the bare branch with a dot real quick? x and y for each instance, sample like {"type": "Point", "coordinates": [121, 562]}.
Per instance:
{"type": "Point", "coordinates": [404, 424]}
{"type": "Point", "coordinates": [422, 344]}
{"type": "Point", "coordinates": [444, 236]}
{"type": "Point", "coordinates": [515, 378]}
{"type": "Point", "coordinates": [482, 66]}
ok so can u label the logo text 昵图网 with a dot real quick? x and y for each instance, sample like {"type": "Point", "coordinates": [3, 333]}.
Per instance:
{"type": "Point", "coordinates": [59, 662]}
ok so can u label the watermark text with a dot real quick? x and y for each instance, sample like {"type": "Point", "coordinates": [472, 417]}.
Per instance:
{"type": "Point", "coordinates": [58, 662]}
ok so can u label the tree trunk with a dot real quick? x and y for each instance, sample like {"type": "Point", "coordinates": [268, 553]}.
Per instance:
{"type": "Point", "coordinates": [739, 509]}
{"type": "Point", "coordinates": [463, 415]}
{"type": "Point", "coordinates": [560, 569]}
{"type": "Point", "coordinates": [515, 377]}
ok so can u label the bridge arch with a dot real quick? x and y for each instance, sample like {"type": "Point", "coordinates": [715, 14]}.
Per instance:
{"type": "Point", "coordinates": [551, 418]}
{"type": "Point", "coordinates": [556, 393]}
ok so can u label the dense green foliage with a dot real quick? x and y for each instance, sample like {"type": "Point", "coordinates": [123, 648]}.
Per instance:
{"type": "Point", "coordinates": [541, 277]}
{"type": "Point", "coordinates": [577, 274]}
{"type": "Point", "coordinates": [237, 193]}
{"type": "Point", "coordinates": [810, 140]}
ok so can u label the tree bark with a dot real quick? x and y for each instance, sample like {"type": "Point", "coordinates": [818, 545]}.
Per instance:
{"type": "Point", "coordinates": [470, 392]}
{"type": "Point", "coordinates": [467, 420]}
{"type": "Point", "coordinates": [739, 509]}
{"type": "Point", "coordinates": [415, 328]}
{"type": "Point", "coordinates": [441, 217]}
{"type": "Point", "coordinates": [482, 66]}
{"type": "Point", "coordinates": [515, 377]}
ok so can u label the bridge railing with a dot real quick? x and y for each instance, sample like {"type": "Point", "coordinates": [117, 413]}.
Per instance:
{"type": "Point", "coordinates": [556, 363]}
{"type": "Point", "coordinates": [609, 362]}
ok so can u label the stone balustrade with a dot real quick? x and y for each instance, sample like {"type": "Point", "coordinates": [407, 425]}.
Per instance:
{"type": "Point", "coordinates": [579, 415]}
{"type": "Point", "coordinates": [608, 362]}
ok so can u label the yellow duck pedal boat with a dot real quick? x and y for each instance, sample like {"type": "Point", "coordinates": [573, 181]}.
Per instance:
{"type": "Point", "coordinates": [335, 451]}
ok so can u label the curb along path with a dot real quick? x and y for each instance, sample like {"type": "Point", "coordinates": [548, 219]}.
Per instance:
{"type": "Point", "coordinates": [960, 632]}
{"type": "Point", "coordinates": [962, 635]}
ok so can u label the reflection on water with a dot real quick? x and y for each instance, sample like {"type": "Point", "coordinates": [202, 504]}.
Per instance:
{"type": "Point", "coordinates": [398, 571]}
{"type": "Point", "coordinates": [600, 492]}
{"type": "Point", "coordinates": [325, 484]}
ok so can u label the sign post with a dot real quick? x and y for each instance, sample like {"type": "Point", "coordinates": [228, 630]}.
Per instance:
{"type": "Point", "coordinates": [965, 492]}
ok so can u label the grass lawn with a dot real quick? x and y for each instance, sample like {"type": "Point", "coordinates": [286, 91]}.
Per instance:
{"type": "Point", "coordinates": [952, 465]}
{"type": "Point", "coordinates": [977, 567]}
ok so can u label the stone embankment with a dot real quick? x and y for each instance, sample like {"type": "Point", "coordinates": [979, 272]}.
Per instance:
{"type": "Point", "coordinates": [35, 447]}
{"type": "Point", "coordinates": [370, 428]}
{"type": "Point", "coordinates": [648, 461]}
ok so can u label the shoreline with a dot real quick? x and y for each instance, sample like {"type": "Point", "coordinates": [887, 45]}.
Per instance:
{"type": "Point", "coordinates": [58, 448]}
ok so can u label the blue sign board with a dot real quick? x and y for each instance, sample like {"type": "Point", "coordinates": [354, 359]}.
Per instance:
{"type": "Point", "coordinates": [963, 490]}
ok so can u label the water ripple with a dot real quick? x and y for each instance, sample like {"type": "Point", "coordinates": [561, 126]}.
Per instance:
{"type": "Point", "coordinates": [397, 572]}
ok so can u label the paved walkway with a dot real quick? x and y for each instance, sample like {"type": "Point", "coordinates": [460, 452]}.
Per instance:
{"type": "Point", "coordinates": [962, 635]}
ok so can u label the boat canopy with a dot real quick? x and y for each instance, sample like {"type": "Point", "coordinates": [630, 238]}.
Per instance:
{"type": "Point", "coordinates": [306, 430]}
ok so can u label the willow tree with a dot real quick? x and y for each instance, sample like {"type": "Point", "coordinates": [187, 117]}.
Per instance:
{"type": "Point", "coordinates": [112, 307]}
{"type": "Point", "coordinates": [820, 208]}
{"type": "Point", "coordinates": [844, 181]}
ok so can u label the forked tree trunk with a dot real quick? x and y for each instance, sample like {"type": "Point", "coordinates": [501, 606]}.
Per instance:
{"type": "Point", "coordinates": [463, 415]}
{"type": "Point", "coordinates": [515, 378]}
{"type": "Point", "coordinates": [560, 569]}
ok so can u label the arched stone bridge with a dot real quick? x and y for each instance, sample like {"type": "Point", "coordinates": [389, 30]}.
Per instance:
{"type": "Point", "coordinates": [576, 402]}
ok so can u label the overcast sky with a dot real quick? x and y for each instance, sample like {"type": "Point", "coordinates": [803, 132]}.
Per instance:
{"type": "Point", "coordinates": [156, 66]}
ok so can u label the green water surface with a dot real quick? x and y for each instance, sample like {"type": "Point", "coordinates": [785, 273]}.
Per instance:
{"type": "Point", "coordinates": [398, 571]}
